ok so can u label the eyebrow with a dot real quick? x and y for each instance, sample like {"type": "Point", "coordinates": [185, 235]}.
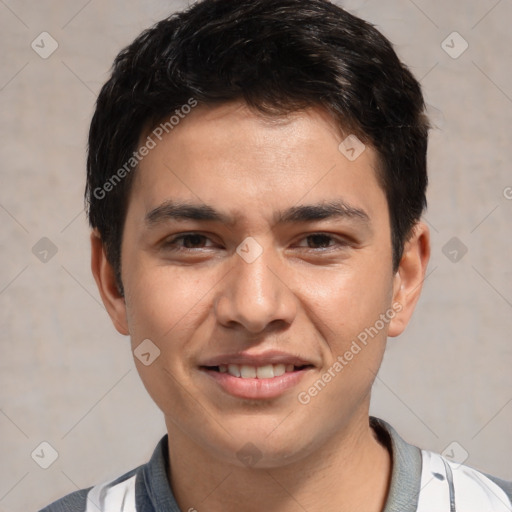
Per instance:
{"type": "Point", "coordinates": [332, 210]}
{"type": "Point", "coordinates": [184, 211]}
{"type": "Point", "coordinates": [177, 210]}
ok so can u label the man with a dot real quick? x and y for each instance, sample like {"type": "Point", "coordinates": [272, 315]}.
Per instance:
{"type": "Point", "coordinates": [256, 178]}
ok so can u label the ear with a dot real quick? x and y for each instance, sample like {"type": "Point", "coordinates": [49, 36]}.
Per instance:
{"type": "Point", "coordinates": [105, 279]}
{"type": "Point", "coordinates": [408, 280]}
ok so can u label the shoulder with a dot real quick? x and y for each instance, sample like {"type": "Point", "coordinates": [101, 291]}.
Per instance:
{"type": "Point", "coordinates": [504, 484]}
{"type": "Point", "coordinates": [423, 481]}
{"type": "Point", "coordinates": [114, 494]}
{"type": "Point", "coordinates": [74, 502]}
{"type": "Point", "coordinates": [135, 490]}
{"type": "Point", "coordinates": [447, 482]}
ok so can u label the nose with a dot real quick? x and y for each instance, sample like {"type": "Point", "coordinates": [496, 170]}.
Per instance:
{"type": "Point", "coordinates": [256, 295]}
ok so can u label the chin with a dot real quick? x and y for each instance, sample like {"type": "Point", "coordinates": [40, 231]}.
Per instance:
{"type": "Point", "coordinates": [259, 449]}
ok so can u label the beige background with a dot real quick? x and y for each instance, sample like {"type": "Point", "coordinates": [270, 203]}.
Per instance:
{"type": "Point", "coordinates": [67, 377]}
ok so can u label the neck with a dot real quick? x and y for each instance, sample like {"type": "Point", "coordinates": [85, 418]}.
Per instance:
{"type": "Point", "coordinates": [349, 472]}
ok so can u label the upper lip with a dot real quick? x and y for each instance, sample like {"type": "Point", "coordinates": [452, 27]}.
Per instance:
{"type": "Point", "coordinates": [262, 359]}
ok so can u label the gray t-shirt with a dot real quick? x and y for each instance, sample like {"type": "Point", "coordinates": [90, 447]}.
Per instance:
{"type": "Point", "coordinates": [421, 481]}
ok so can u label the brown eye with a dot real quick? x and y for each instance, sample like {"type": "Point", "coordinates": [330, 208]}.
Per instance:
{"type": "Point", "coordinates": [322, 241]}
{"type": "Point", "coordinates": [187, 241]}
{"type": "Point", "coordinates": [319, 239]}
{"type": "Point", "coordinates": [190, 241]}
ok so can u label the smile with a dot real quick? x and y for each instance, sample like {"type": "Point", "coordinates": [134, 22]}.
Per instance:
{"type": "Point", "coordinates": [268, 371]}
{"type": "Point", "coordinates": [256, 382]}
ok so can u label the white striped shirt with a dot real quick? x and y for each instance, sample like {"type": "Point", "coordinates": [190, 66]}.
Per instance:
{"type": "Point", "coordinates": [421, 481]}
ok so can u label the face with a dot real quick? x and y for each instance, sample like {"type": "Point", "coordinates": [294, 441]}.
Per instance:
{"type": "Point", "coordinates": [257, 260]}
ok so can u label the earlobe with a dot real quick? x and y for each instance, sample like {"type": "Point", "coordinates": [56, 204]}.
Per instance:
{"type": "Point", "coordinates": [408, 280]}
{"type": "Point", "coordinates": [105, 279]}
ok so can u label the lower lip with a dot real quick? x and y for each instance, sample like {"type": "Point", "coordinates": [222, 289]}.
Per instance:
{"type": "Point", "coordinates": [256, 388]}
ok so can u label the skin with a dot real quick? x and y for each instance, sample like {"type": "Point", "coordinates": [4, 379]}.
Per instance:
{"type": "Point", "coordinates": [304, 296]}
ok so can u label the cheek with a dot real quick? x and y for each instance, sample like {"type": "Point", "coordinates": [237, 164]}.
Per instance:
{"type": "Point", "coordinates": [164, 301]}
{"type": "Point", "coordinates": [167, 308]}
{"type": "Point", "coordinates": [343, 302]}
{"type": "Point", "coordinates": [353, 336]}
{"type": "Point", "coordinates": [346, 312]}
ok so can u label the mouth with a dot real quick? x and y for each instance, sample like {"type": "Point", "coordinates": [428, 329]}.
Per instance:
{"type": "Point", "coordinates": [267, 371]}
{"type": "Point", "coordinates": [260, 380]}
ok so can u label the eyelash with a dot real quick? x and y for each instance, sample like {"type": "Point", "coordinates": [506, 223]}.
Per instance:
{"type": "Point", "coordinates": [172, 243]}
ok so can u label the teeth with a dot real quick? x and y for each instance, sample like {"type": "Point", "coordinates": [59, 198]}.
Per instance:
{"type": "Point", "coordinates": [280, 369]}
{"type": "Point", "coordinates": [247, 372]}
{"type": "Point", "coordinates": [264, 372]}
{"type": "Point", "coordinates": [234, 369]}
{"type": "Point", "coordinates": [251, 372]}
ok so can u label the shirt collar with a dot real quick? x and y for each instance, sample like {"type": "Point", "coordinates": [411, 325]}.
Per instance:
{"type": "Point", "coordinates": [403, 493]}
{"type": "Point", "coordinates": [404, 488]}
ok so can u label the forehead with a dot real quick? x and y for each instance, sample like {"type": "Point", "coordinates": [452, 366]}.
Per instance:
{"type": "Point", "coordinates": [240, 160]}
{"type": "Point", "coordinates": [237, 129]}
